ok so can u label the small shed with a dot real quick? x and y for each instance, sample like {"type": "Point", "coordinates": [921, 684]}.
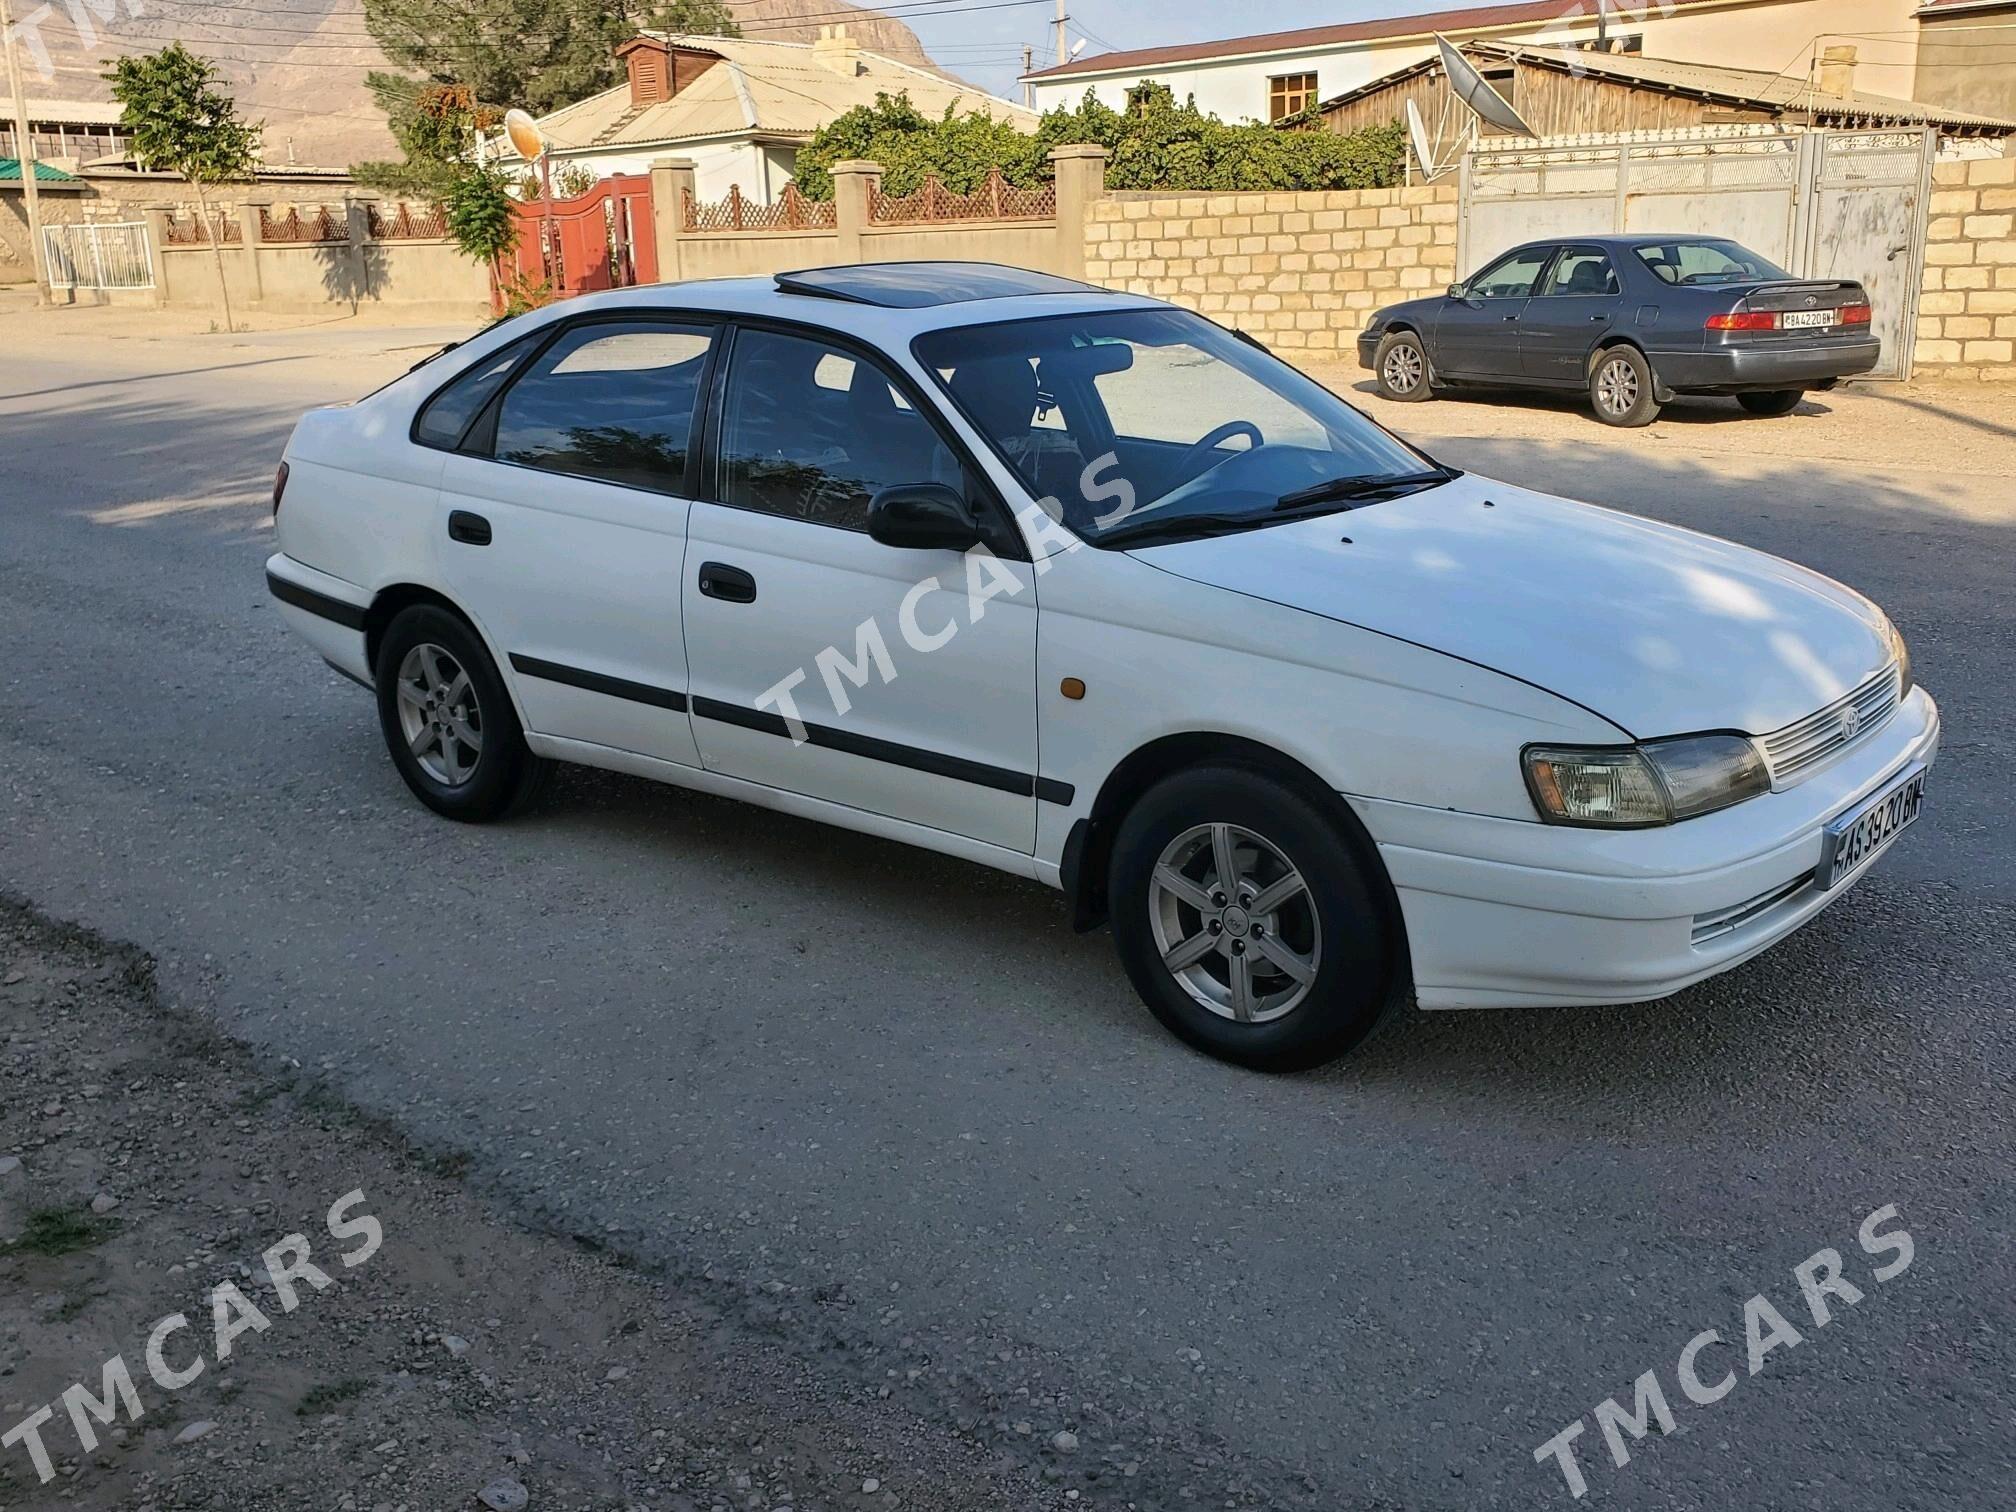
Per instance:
{"type": "Point", "coordinates": [1569, 91]}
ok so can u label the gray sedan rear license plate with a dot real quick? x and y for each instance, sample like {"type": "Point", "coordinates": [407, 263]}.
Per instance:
{"type": "Point", "coordinates": [1866, 830]}
{"type": "Point", "coordinates": [1795, 320]}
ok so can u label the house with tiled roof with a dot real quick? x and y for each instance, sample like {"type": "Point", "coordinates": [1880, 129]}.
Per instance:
{"type": "Point", "coordinates": [740, 109]}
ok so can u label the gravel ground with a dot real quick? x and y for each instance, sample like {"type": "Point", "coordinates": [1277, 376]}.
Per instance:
{"type": "Point", "coordinates": [144, 1160]}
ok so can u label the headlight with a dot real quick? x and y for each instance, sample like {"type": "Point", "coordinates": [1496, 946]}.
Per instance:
{"type": "Point", "coordinates": [1658, 782]}
{"type": "Point", "coordinates": [1901, 652]}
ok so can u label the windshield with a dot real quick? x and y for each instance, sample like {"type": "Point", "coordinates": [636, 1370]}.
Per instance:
{"type": "Point", "coordinates": [1706, 262]}
{"type": "Point", "coordinates": [1141, 423]}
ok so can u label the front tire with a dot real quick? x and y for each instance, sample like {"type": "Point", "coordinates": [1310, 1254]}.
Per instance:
{"type": "Point", "coordinates": [1620, 387]}
{"type": "Point", "coordinates": [1402, 369]}
{"type": "Point", "coordinates": [1246, 920]}
{"type": "Point", "coordinates": [1772, 402]}
{"type": "Point", "coordinates": [448, 722]}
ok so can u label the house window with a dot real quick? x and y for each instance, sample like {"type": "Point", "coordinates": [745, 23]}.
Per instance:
{"type": "Point", "coordinates": [1290, 94]}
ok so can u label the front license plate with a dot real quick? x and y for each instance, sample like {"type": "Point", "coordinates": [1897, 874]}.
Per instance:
{"type": "Point", "coordinates": [1866, 830]}
{"type": "Point", "coordinates": [1802, 320]}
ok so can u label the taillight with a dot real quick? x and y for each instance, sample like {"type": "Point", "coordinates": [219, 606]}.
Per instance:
{"type": "Point", "coordinates": [1855, 314]}
{"type": "Point", "coordinates": [279, 488]}
{"type": "Point", "coordinates": [1744, 320]}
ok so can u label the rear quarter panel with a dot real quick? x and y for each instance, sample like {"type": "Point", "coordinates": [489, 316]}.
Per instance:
{"type": "Point", "coordinates": [360, 498]}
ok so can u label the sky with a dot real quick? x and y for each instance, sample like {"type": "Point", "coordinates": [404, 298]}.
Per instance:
{"type": "Point", "coordinates": [982, 40]}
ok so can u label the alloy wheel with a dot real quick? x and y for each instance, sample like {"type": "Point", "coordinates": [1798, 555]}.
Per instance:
{"type": "Point", "coordinates": [1235, 923]}
{"type": "Point", "coordinates": [1617, 386]}
{"type": "Point", "coordinates": [439, 714]}
{"type": "Point", "coordinates": [1403, 368]}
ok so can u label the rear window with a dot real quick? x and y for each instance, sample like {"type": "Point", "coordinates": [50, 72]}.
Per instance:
{"type": "Point", "coordinates": [1705, 261]}
{"type": "Point", "coordinates": [446, 417]}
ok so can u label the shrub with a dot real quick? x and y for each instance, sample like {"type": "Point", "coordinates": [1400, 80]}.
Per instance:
{"type": "Point", "coordinates": [1153, 144]}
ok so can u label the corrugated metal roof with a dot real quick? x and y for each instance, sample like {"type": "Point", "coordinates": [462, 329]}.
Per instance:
{"type": "Point", "coordinates": [771, 89]}
{"type": "Point", "coordinates": [1546, 12]}
{"type": "Point", "coordinates": [73, 112]}
{"type": "Point", "coordinates": [1745, 86]}
{"type": "Point", "coordinates": [10, 173]}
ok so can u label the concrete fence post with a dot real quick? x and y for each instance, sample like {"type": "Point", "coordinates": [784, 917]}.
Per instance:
{"type": "Point", "coordinates": [157, 216]}
{"type": "Point", "coordinates": [671, 184]}
{"type": "Point", "coordinates": [357, 215]}
{"type": "Point", "coordinates": [855, 181]}
{"type": "Point", "coordinates": [1081, 179]}
{"type": "Point", "coordinates": [252, 236]}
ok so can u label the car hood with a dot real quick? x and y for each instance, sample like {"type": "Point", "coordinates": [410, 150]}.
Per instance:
{"type": "Point", "coordinates": [1660, 630]}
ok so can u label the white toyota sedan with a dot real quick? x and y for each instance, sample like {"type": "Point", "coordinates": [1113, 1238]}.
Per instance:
{"type": "Point", "coordinates": [1083, 586]}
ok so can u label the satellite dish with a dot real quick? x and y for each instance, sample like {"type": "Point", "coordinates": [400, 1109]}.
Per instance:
{"type": "Point", "coordinates": [1468, 86]}
{"type": "Point", "coordinates": [1424, 149]}
{"type": "Point", "coordinates": [525, 135]}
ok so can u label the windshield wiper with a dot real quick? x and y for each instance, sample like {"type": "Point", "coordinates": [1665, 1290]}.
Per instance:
{"type": "Point", "coordinates": [1180, 527]}
{"type": "Point", "coordinates": [1368, 488]}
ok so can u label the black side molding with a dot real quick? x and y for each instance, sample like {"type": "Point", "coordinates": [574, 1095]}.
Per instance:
{"type": "Point", "coordinates": [599, 682]}
{"type": "Point", "coordinates": [349, 616]}
{"type": "Point", "coordinates": [936, 763]}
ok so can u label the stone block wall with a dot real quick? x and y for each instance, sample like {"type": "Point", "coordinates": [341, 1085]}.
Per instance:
{"type": "Point", "coordinates": [1967, 307]}
{"type": "Point", "coordinates": [1298, 271]}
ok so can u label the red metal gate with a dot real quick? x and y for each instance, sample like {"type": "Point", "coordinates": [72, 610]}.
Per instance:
{"type": "Point", "coordinates": [599, 240]}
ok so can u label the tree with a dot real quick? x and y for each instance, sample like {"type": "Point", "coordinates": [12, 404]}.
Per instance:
{"type": "Point", "coordinates": [179, 121]}
{"type": "Point", "coordinates": [482, 216]}
{"type": "Point", "coordinates": [534, 54]}
{"type": "Point", "coordinates": [435, 126]}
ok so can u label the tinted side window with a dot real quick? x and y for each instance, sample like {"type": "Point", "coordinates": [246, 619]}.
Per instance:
{"type": "Point", "coordinates": [1582, 270]}
{"type": "Point", "coordinates": [811, 431]}
{"type": "Point", "coordinates": [609, 400]}
{"type": "Point", "coordinates": [447, 415]}
{"type": "Point", "coordinates": [1510, 277]}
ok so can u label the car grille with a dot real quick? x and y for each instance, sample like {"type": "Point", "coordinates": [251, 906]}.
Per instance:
{"type": "Point", "coordinates": [1843, 723]}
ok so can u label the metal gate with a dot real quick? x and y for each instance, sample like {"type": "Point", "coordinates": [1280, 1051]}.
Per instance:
{"type": "Point", "coordinates": [112, 255]}
{"type": "Point", "coordinates": [1820, 204]}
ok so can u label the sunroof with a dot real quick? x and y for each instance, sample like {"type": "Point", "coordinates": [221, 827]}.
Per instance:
{"type": "Point", "coordinates": [914, 285]}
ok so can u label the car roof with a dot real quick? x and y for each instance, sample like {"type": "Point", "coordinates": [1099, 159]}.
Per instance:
{"type": "Point", "coordinates": [885, 302]}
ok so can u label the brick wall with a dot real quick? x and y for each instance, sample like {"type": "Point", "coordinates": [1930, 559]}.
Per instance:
{"type": "Point", "coordinates": [1296, 270]}
{"type": "Point", "coordinates": [1967, 310]}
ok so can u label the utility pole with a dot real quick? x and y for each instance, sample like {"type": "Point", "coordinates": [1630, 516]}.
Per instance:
{"type": "Point", "coordinates": [1063, 48]}
{"type": "Point", "coordinates": [1028, 89]}
{"type": "Point", "coordinates": [25, 141]}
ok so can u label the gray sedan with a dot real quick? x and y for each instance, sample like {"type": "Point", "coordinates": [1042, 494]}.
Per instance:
{"type": "Point", "coordinates": [1631, 320]}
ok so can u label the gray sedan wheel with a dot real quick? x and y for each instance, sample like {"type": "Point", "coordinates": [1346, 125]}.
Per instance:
{"type": "Point", "coordinates": [1402, 368]}
{"type": "Point", "coordinates": [1620, 387]}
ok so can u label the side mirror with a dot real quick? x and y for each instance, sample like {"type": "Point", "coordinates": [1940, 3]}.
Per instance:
{"type": "Point", "coordinates": [922, 517]}
{"type": "Point", "coordinates": [1457, 291]}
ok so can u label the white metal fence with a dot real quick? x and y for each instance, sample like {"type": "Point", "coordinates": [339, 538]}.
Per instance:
{"type": "Point", "coordinates": [112, 255]}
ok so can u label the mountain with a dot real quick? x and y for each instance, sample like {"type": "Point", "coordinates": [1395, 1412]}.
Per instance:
{"type": "Point", "coordinates": [299, 65]}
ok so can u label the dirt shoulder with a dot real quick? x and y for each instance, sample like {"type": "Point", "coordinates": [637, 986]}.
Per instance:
{"type": "Point", "coordinates": [145, 1163]}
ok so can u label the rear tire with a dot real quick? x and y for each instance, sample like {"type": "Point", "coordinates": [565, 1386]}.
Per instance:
{"type": "Point", "coordinates": [448, 721]}
{"type": "Point", "coordinates": [1293, 962]}
{"type": "Point", "coordinates": [1620, 387]}
{"type": "Point", "coordinates": [1772, 402]}
{"type": "Point", "coordinates": [1402, 369]}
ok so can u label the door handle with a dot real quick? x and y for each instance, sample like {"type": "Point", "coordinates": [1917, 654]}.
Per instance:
{"type": "Point", "coordinates": [469, 529]}
{"type": "Point", "coordinates": [731, 584]}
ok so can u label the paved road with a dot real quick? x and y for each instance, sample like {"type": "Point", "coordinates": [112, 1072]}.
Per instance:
{"type": "Point", "coordinates": [756, 1051]}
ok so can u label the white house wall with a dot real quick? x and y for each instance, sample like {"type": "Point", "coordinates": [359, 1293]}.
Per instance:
{"type": "Point", "coordinates": [1770, 35]}
{"type": "Point", "coordinates": [762, 172]}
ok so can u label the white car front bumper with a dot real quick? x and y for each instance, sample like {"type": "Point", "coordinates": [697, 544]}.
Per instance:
{"type": "Point", "coordinates": [1501, 913]}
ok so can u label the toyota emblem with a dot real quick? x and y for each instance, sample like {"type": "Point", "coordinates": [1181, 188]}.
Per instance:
{"type": "Point", "coordinates": [1851, 721]}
